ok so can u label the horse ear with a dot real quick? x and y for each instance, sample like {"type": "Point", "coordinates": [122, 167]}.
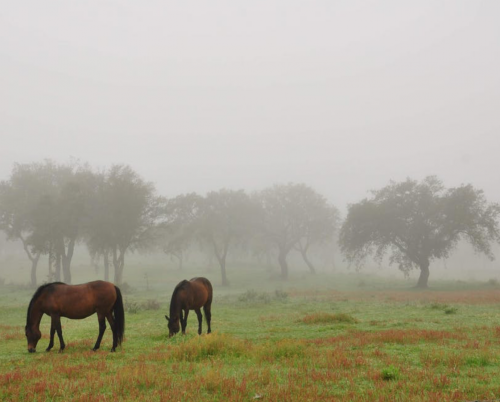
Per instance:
{"type": "Point", "coordinates": [168, 319]}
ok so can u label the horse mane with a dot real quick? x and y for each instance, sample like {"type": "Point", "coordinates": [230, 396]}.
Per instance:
{"type": "Point", "coordinates": [180, 286]}
{"type": "Point", "coordinates": [37, 294]}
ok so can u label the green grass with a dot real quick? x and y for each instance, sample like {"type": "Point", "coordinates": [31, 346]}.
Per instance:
{"type": "Point", "coordinates": [304, 340]}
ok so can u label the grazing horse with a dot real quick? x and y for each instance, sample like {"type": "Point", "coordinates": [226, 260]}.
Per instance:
{"type": "Point", "coordinates": [190, 295]}
{"type": "Point", "coordinates": [75, 301]}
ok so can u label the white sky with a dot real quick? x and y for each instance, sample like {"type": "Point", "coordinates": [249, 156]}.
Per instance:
{"type": "Point", "coordinates": [200, 95]}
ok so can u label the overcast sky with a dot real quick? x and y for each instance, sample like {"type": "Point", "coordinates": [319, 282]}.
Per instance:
{"type": "Point", "coordinates": [200, 95]}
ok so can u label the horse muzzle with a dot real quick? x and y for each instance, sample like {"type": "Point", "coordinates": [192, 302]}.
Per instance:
{"type": "Point", "coordinates": [32, 350]}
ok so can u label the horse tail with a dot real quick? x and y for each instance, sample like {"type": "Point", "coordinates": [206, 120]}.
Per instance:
{"type": "Point", "coordinates": [119, 316]}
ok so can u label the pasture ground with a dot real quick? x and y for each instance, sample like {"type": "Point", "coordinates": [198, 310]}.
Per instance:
{"type": "Point", "coordinates": [304, 340]}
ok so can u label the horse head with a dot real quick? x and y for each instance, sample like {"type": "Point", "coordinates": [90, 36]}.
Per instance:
{"type": "Point", "coordinates": [173, 326]}
{"type": "Point", "coordinates": [33, 336]}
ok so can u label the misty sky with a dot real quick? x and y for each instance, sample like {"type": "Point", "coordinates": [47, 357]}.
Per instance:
{"type": "Point", "coordinates": [200, 95]}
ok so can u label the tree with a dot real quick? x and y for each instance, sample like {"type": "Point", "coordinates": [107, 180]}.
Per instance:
{"type": "Point", "coordinates": [418, 222]}
{"type": "Point", "coordinates": [324, 220]}
{"type": "Point", "coordinates": [225, 220]}
{"type": "Point", "coordinates": [180, 225]}
{"type": "Point", "coordinates": [295, 216]}
{"type": "Point", "coordinates": [124, 216]}
{"type": "Point", "coordinates": [40, 205]}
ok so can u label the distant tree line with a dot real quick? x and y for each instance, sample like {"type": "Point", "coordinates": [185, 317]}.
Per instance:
{"type": "Point", "coordinates": [51, 207]}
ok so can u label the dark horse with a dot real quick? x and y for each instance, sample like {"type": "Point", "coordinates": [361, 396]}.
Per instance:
{"type": "Point", "coordinates": [190, 295]}
{"type": "Point", "coordinates": [75, 301]}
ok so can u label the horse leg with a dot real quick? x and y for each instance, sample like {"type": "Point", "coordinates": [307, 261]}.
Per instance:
{"type": "Point", "coordinates": [52, 333]}
{"type": "Point", "coordinates": [200, 318]}
{"type": "Point", "coordinates": [184, 321]}
{"type": "Point", "coordinates": [59, 333]}
{"type": "Point", "coordinates": [102, 328]}
{"type": "Point", "coordinates": [208, 316]}
{"type": "Point", "coordinates": [111, 322]}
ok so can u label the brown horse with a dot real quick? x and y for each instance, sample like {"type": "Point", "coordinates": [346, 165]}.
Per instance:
{"type": "Point", "coordinates": [190, 295]}
{"type": "Point", "coordinates": [75, 301]}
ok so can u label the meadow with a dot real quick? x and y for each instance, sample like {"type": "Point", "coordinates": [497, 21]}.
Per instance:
{"type": "Point", "coordinates": [328, 337]}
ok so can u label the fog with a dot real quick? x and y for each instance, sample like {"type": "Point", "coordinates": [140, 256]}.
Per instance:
{"type": "Point", "coordinates": [197, 96]}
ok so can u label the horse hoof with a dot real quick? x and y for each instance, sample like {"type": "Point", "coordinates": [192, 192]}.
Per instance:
{"type": "Point", "coordinates": [113, 350]}
{"type": "Point", "coordinates": [94, 350]}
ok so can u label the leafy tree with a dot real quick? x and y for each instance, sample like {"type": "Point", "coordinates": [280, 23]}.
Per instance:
{"type": "Point", "coordinates": [98, 229]}
{"type": "Point", "coordinates": [180, 225]}
{"type": "Point", "coordinates": [324, 220]}
{"type": "Point", "coordinates": [124, 216]}
{"type": "Point", "coordinates": [226, 219]}
{"type": "Point", "coordinates": [295, 216]}
{"type": "Point", "coordinates": [57, 223]}
{"type": "Point", "coordinates": [418, 222]}
{"type": "Point", "coordinates": [39, 205]}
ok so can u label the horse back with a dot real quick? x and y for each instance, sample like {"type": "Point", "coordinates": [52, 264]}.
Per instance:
{"type": "Point", "coordinates": [80, 301]}
{"type": "Point", "coordinates": [202, 291]}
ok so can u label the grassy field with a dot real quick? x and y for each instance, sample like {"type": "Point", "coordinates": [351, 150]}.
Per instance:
{"type": "Point", "coordinates": [305, 340]}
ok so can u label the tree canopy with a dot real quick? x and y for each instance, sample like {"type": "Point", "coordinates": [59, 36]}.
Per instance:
{"type": "Point", "coordinates": [294, 215]}
{"type": "Point", "coordinates": [417, 222]}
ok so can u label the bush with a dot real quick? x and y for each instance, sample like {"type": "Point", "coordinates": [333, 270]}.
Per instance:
{"type": "Point", "coordinates": [151, 304]}
{"type": "Point", "coordinates": [280, 295]}
{"type": "Point", "coordinates": [209, 347]}
{"type": "Point", "coordinates": [493, 282]}
{"type": "Point", "coordinates": [252, 296]}
{"type": "Point", "coordinates": [327, 318]}
{"type": "Point", "coordinates": [248, 296]}
{"type": "Point", "coordinates": [131, 307]}
{"type": "Point", "coordinates": [390, 373]}
{"type": "Point", "coordinates": [126, 288]}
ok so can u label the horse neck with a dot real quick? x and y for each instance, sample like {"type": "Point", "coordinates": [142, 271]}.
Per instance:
{"type": "Point", "coordinates": [175, 307]}
{"type": "Point", "coordinates": [35, 314]}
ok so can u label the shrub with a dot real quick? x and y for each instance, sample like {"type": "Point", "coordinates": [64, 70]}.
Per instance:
{"type": "Point", "coordinates": [209, 346]}
{"type": "Point", "coordinates": [390, 373]}
{"type": "Point", "coordinates": [249, 295]}
{"type": "Point", "coordinates": [280, 295]}
{"type": "Point", "coordinates": [492, 282]}
{"type": "Point", "coordinates": [151, 304]}
{"type": "Point", "coordinates": [438, 306]}
{"type": "Point", "coordinates": [126, 288]}
{"type": "Point", "coordinates": [327, 318]}
{"type": "Point", "coordinates": [450, 310]}
{"type": "Point", "coordinates": [253, 296]}
{"type": "Point", "coordinates": [131, 307]}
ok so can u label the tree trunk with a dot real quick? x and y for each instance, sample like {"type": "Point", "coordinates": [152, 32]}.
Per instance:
{"type": "Point", "coordinates": [118, 264]}
{"type": "Point", "coordinates": [424, 275]}
{"type": "Point", "coordinates": [66, 270]}
{"type": "Point", "coordinates": [225, 282]}
{"type": "Point", "coordinates": [221, 257]}
{"type": "Point", "coordinates": [106, 266]}
{"type": "Point", "coordinates": [57, 274]}
{"type": "Point", "coordinates": [283, 264]}
{"type": "Point", "coordinates": [33, 259]}
{"type": "Point", "coordinates": [34, 264]}
{"type": "Point", "coordinates": [66, 261]}
{"type": "Point", "coordinates": [303, 252]}
{"type": "Point", "coordinates": [309, 264]}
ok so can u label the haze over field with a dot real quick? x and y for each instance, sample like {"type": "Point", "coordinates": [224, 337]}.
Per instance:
{"type": "Point", "coordinates": [197, 96]}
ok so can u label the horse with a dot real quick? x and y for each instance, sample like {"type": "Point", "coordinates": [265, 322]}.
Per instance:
{"type": "Point", "coordinates": [58, 300]}
{"type": "Point", "coordinates": [190, 295]}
